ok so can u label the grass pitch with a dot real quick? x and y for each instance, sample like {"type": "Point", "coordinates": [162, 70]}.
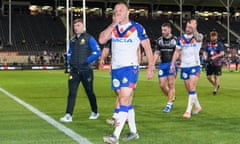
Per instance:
{"type": "Point", "coordinates": [218, 123]}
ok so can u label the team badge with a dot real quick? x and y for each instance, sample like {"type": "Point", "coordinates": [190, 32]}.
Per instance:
{"type": "Point", "coordinates": [82, 41]}
{"type": "Point", "coordinates": [184, 75]}
{"type": "Point", "coordinates": [89, 79]}
{"type": "Point", "coordinates": [70, 77]}
{"type": "Point", "coordinates": [116, 83]}
{"type": "Point", "coordinates": [212, 53]}
{"type": "Point", "coordinates": [124, 80]}
{"type": "Point", "coordinates": [160, 72]}
{"type": "Point", "coordinates": [193, 70]}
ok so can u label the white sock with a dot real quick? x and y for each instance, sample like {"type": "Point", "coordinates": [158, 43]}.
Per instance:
{"type": "Point", "coordinates": [131, 119]}
{"type": "Point", "coordinates": [122, 117]}
{"type": "Point", "coordinates": [170, 103]}
{"type": "Point", "coordinates": [191, 97]}
{"type": "Point", "coordinates": [196, 102]}
{"type": "Point", "coordinates": [115, 114]}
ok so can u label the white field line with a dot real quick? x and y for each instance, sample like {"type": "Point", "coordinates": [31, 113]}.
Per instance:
{"type": "Point", "coordinates": [75, 136]}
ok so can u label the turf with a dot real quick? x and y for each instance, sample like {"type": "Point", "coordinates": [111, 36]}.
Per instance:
{"type": "Point", "coordinates": [218, 123]}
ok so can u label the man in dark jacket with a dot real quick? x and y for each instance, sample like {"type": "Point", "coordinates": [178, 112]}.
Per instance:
{"type": "Point", "coordinates": [83, 50]}
{"type": "Point", "coordinates": [213, 54]}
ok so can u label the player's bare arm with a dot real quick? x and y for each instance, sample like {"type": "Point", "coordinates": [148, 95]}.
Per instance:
{"type": "Point", "coordinates": [221, 54]}
{"type": "Point", "coordinates": [156, 56]}
{"type": "Point", "coordinates": [174, 58]}
{"type": "Point", "coordinates": [104, 55]}
{"type": "Point", "coordinates": [139, 55]}
{"type": "Point", "coordinates": [106, 34]}
{"type": "Point", "coordinates": [205, 55]}
{"type": "Point", "coordinates": [148, 50]}
{"type": "Point", "coordinates": [196, 34]}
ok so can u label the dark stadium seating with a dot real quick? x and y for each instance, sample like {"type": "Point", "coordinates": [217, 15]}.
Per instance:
{"type": "Point", "coordinates": [206, 26]}
{"type": "Point", "coordinates": [31, 34]}
{"type": "Point", "coordinates": [235, 26]}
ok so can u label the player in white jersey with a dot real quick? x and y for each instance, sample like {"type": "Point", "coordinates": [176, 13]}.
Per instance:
{"type": "Point", "coordinates": [126, 37]}
{"type": "Point", "coordinates": [189, 45]}
{"type": "Point", "coordinates": [105, 53]}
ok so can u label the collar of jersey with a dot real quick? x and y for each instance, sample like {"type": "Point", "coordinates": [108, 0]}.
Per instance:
{"type": "Point", "coordinates": [124, 32]}
{"type": "Point", "coordinates": [186, 40]}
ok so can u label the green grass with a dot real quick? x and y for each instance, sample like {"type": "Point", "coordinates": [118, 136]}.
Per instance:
{"type": "Point", "coordinates": [218, 123]}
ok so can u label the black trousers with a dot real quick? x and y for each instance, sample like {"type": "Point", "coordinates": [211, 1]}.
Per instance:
{"type": "Point", "coordinates": [86, 77]}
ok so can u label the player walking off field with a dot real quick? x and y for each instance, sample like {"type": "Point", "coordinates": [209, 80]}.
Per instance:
{"type": "Point", "coordinates": [213, 54]}
{"type": "Point", "coordinates": [83, 50]}
{"type": "Point", "coordinates": [166, 45]}
{"type": "Point", "coordinates": [105, 52]}
{"type": "Point", "coordinates": [126, 37]}
{"type": "Point", "coordinates": [189, 45]}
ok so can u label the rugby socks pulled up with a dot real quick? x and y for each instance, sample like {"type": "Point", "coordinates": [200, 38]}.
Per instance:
{"type": "Point", "coordinates": [191, 97]}
{"type": "Point", "coordinates": [115, 113]}
{"type": "Point", "coordinates": [131, 119]}
{"type": "Point", "coordinates": [122, 117]}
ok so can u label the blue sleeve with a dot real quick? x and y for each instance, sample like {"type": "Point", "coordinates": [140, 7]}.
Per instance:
{"type": "Point", "coordinates": [96, 52]}
{"type": "Point", "coordinates": [178, 44]}
{"type": "Point", "coordinates": [221, 47]}
{"type": "Point", "coordinates": [206, 48]}
{"type": "Point", "coordinates": [69, 52]}
{"type": "Point", "coordinates": [141, 32]}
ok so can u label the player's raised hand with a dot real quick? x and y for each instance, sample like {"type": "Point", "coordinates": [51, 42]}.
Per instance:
{"type": "Point", "coordinates": [193, 24]}
{"type": "Point", "coordinates": [116, 19]}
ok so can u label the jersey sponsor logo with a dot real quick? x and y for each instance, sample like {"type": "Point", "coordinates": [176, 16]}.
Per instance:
{"type": "Point", "coordinates": [167, 50]}
{"type": "Point", "coordinates": [122, 40]}
{"type": "Point", "coordinates": [189, 45]}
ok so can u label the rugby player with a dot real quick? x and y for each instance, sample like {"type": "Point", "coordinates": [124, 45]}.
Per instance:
{"type": "Point", "coordinates": [188, 46]}
{"type": "Point", "coordinates": [105, 52]}
{"type": "Point", "coordinates": [166, 45]}
{"type": "Point", "coordinates": [126, 36]}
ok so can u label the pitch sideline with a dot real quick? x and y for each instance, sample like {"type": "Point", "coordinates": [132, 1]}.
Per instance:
{"type": "Point", "coordinates": [75, 136]}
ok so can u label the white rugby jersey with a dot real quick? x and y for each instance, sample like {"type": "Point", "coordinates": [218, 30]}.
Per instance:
{"type": "Point", "coordinates": [190, 50]}
{"type": "Point", "coordinates": [125, 42]}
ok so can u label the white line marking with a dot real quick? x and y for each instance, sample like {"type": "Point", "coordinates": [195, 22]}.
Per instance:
{"type": "Point", "coordinates": [75, 136]}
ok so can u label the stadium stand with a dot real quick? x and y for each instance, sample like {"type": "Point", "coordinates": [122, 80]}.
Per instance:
{"type": "Point", "coordinates": [33, 34]}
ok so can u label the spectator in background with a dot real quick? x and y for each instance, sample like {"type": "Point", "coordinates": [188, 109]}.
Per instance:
{"type": "Point", "coordinates": [229, 61]}
{"type": "Point", "coordinates": [38, 59]}
{"type": "Point", "coordinates": [5, 61]}
{"type": "Point", "coordinates": [236, 60]}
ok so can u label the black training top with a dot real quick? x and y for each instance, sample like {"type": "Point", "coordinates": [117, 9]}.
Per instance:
{"type": "Point", "coordinates": [166, 48]}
